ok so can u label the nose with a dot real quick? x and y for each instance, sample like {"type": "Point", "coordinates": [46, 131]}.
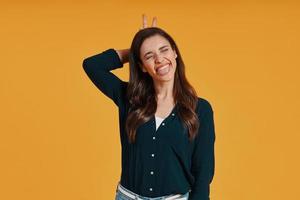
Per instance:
{"type": "Point", "coordinates": [158, 58]}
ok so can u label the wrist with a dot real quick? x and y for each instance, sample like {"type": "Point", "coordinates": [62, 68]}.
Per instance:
{"type": "Point", "coordinates": [123, 55]}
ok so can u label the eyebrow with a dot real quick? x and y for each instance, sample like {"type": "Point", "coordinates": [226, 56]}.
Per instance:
{"type": "Point", "coordinates": [159, 49]}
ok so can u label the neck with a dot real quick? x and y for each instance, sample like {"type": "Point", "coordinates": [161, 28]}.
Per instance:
{"type": "Point", "coordinates": [164, 90]}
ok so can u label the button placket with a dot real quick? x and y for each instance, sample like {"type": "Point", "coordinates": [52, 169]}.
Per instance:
{"type": "Point", "coordinates": [163, 124]}
{"type": "Point", "coordinates": [166, 120]}
{"type": "Point", "coordinates": [152, 157]}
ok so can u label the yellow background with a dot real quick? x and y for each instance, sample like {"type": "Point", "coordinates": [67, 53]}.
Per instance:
{"type": "Point", "coordinates": [59, 134]}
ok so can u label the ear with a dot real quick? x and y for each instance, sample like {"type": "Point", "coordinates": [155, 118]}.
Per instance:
{"type": "Point", "coordinates": [175, 53]}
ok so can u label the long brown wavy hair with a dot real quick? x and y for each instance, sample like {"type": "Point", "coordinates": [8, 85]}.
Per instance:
{"type": "Point", "coordinates": [141, 93]}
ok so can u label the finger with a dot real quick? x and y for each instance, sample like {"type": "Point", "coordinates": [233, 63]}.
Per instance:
{"type": "Point", "coordinates": [154, 22]}
{"type": "Point", "coordinates": [144, 21]}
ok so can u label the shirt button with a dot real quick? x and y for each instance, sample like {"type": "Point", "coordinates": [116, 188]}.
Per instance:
{"type": "Point", "coordinates": [151, 172]}
{"type": "Point", "coordinates": [173, 114]}
{"type": "Point", "coordinates": [152, 155]}
{"type": "Point", "coordinates": [153, 137]}
{"type": "Point", "coordinates": [150, 189]}
{"type": "Point", "coordinates": [163, 124]}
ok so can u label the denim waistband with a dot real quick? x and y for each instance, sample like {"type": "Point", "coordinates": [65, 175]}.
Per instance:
{"type": "Point", "coordinates": [133, 196]}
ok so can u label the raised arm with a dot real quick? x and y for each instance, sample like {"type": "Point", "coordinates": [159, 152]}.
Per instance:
{"type": "Point", "coordinates": [98, 68]}
{"type": "Point", "coordinates": [203, 159]}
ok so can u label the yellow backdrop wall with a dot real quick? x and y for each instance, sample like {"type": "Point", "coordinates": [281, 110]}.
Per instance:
{"type": "Point", "coordinates": [59, 136]}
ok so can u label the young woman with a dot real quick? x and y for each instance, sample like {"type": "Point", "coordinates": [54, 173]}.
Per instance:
{"type": "Point", "coordinates": [167, 132]}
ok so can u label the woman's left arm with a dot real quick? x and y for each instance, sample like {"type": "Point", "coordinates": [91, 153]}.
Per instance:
{"type": "Point", "coordinates": [203, 158]}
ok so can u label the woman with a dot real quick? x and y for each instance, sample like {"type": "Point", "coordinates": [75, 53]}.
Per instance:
{"type": "Point", "coordinates": [167, 132]}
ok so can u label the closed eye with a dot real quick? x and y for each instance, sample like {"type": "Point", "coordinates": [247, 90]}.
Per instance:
{"type": "Point", "coordinates": [148, 57]}
{"type": "Point", "coordinates": [162, 51]}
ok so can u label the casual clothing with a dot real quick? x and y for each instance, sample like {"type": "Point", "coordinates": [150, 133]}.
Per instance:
{"type": "Point", "coordinates": [158, 121]}
{"type": "Point", "coordinates": [163, 161]}
{"type": "Point", "coordinates": [125, 194]}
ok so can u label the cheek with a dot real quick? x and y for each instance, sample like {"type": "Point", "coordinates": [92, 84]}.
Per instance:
{"type": "Point", "coordinates": [174, 63]}
{"type": "Point", "coordinates": [149, 66]}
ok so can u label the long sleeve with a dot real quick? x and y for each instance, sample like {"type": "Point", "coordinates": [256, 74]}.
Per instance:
{"type": "Point", "coordinates": [203, 159]}
{"type": "Point", "coordinates": [98, 68]}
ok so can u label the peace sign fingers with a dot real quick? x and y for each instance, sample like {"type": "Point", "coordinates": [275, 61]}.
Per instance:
{"type": "Point", "coordinates": [145, 22]}
{"type": "Point", "coordinates": [154, 22]}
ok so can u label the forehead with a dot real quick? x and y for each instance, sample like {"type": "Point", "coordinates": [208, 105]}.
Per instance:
{"type": "Point", "coordinates": [153, 43]}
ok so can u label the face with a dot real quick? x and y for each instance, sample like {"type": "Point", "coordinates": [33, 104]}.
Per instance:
{"type": "Point", "coordinates": [158, 58]}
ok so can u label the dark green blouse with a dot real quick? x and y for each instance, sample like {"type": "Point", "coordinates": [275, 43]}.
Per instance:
{"type": "Point", "coordinates": [163, 161]}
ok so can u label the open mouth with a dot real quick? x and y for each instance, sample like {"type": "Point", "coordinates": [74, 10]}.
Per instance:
{"type": "Point", "coordinates": [163, 70]}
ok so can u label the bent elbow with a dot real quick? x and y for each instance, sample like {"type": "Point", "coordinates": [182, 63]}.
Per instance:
{"type": "Point", "coordinates": [85, 63]}
{"type": "Point", "coordinates": [87, 66]}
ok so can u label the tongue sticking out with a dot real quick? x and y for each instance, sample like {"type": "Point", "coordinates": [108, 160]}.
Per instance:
{"type": "Point", "coordinates": [163, 70]}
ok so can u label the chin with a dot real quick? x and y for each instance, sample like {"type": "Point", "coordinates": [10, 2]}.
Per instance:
{"type": "Point", "coordinates": [166, 79]}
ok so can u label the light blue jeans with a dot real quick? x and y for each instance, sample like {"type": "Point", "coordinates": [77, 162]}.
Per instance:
{"type": "Point", "coordinates": [121, 196]}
